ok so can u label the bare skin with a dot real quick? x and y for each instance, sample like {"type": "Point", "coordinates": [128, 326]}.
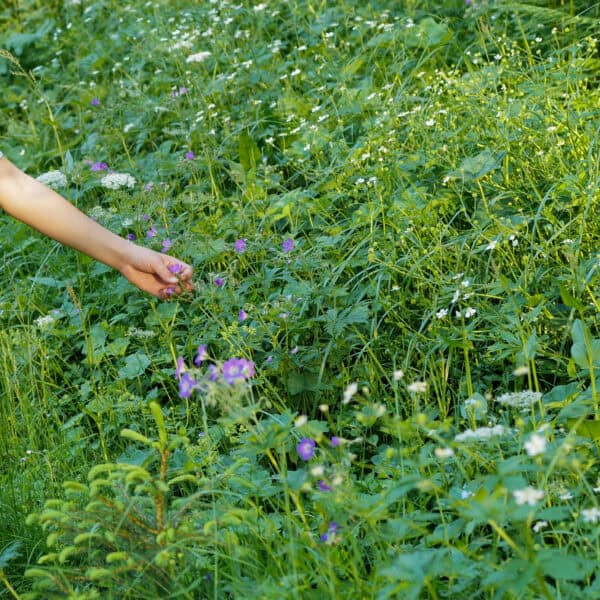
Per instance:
{"type": "Point", "coordinates": [42, 208]}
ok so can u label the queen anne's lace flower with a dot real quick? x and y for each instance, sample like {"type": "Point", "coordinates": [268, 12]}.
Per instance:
{"type": "Point", "coordinates": [114, 181]}
{"type": "Point", "coordinates": [524, 399]}
{"type": "Point", "coordinates": [53, 179]}
{"type": "Point", "coordinates": [482, 433]}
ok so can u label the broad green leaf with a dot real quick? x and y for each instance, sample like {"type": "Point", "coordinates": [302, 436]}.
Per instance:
{"type": "Point", "coordinates": [474, 167]}
{"type": "Point", "coordinates": [135, 365]}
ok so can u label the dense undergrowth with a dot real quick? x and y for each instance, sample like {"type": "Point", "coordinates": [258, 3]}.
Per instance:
{"type": "Point", "coordinates": [392, 209]}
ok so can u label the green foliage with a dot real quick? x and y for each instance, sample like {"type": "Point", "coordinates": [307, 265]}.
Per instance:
{"type": "Point", "coordinates": [436, 165]}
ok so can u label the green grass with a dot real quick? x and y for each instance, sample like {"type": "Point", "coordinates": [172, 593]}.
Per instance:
{"type": "Point", "coordinates": [437, 165]}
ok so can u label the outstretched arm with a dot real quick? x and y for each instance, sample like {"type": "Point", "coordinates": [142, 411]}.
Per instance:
{"type": "Point", "coordinates": [33, 203]}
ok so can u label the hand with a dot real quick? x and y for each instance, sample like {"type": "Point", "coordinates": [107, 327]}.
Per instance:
{"type": "Point", "coordinates": [149, 271]}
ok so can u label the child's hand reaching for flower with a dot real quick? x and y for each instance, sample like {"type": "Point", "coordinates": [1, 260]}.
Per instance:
{"type": "Point", "coordinates": [158, 274]}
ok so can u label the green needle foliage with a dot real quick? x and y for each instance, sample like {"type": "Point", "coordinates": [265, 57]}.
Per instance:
{"type": "Point", "coordinates": [392, 209]}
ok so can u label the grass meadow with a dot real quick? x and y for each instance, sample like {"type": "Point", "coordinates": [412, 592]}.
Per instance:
{"type": "Point", "coordinates": [386, 382]}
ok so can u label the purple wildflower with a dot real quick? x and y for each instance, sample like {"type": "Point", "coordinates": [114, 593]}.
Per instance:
{"type": "Point", "coordinates": [269, 359]}
{"type": "Point", "coordinates": [151, 232]}
{"type": "Point", "coordinates": [182, 91]}
{"type": "Point", "coordinates": [148, 187]}
{"type": "Point", "coordinates": [288, 245]}
{"type": "Point", "coordinates": [131, 237]}
{"type": "Point", "coordinates": [219, 281]}
{"type": "Point", "coordinates": [180, 368]}
{"type": "Point", "coordinates": [213, 372]}
{"type": "Point", "coordinates": [294, 350]}
{"type": "Point", "coordinates": [166, 245]}
{"type": "Point", "coordinates": [146, 217]}
{"type": "Point", "coordinates": [237, 369]}
{"type": "Point", "coordinates": [323, 486]}
{"type": "Point", "coordinates": [190, 155]}
{"type": "Point", "coordinates": [186, 386]}
{"type": "Point", "coordinates": [242, 315]}
{"type": "Point", "coordinates": [240, 245]}
{"type": "Point", "coordinates": [169, 291]}
{"type": "Point", "coordinates": [95, 102]}
{"type": "Point", "coordinates": [175, 268]}
{"type": "Point", "coordinates": [201, 355]}
{"type": "Point", "coordinates": [306, 448]}
{"type": "Point", "coordinates": [99, 166]}
{"type": "Point", "coordinates": [335, 441]}
{"type": "Point", "coordinates": [330, 533]}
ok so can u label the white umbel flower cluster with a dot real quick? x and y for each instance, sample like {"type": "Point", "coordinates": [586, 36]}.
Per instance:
{"type": "Point", "coordinates": [482, 433]}
{"type": "Point", "coordinates": [53, 179]}
{"type": "Point", "coordinates": [198, 57]}
{"type": "Point", "coordinates": [114, 181]}
{"type": "Point", "coordinates": [522, 400]}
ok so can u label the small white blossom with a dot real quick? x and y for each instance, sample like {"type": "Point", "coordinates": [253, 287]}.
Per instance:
{"type": "Point", "coordinates": [442, 453]}
{"type": "Point", "coordinates": [417, 387]}
{"type": "Point", "coordinates": [114, 181]}
{"type": "Point", "coordinates": [591, 515]}
{"type": "Point", "coordinates": [443, 312]}
{"type": "Point", "coordinates": [349, 392]}
{"type": "Point", "coordinates": [469, 312]}
{"type": "Point", "coordinates": [198, 57]}
{"type": "Point", "coordinates": [528, 496]}
{"type": "Point", "coordinates": [520, 371]}
{"type": "Point", "coordinates": [481, 433]}
{"type": "Point", "coordinates": [301, 420]}
{"type": "Point", "coordinates": [540, 525]}
{"type": "Point", "coordinates": [53, 179]}
{"type": "Point", "coordinates": [491, 245]}
{"type": "Point", "coordinates": [535, 445]}
{"type": "Point", "coordinates": [522, 400]}
{"type": "Point", "coordinates": [398, 374]}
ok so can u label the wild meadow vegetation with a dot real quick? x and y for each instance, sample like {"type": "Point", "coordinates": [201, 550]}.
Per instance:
{"type": "Point", "coordinates": [385, 383]}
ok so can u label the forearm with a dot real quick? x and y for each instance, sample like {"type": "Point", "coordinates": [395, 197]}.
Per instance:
{"type": "Point", "coordinates": [43, 209]}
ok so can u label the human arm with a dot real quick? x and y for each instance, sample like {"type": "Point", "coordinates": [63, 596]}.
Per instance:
{"type": "Point", "coordinates": [42, 208]}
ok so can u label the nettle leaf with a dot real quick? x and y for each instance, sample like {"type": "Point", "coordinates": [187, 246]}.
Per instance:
{"type": "Point", "coordinates": [338, 321]}
{"type": "Point", "coordinates": [135, 365]}
{"type": "Point", "coordinates": [585, 350]}
{"type": "Point", "coordinates": [474, 167]}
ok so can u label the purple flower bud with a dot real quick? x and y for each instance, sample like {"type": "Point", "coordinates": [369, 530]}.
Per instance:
{"type": "Point", "coordinates": [190, 155]}
{"type": "Point", "coordinates": [219, 281]}
{"type": "Point", "coordinates": [180, 368]}
{"type": "Point", "coordinates": [201, 355]}
{"type": "Point", "coordinates": [99, 166]}
{"type": "Point", "coordinates": [242, 315]}
{"type": "Point", "coordinates": [175, 268]}
{"type": "Point", "coordinates": [95, 102]}
{"type": "Point", "coordinates": [323, 487]}
{"type": "Point", "coordinates": [131, 237]}
{"type": "Point", "coordinates": [335, 441]}
{"type": "Point", "coordinates": [148, 187]}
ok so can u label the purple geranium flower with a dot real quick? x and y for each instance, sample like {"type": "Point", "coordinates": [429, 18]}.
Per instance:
{"type": "Point", "coordinates": [331, 531]}
{"type": "Point", "coordinates": [335, 441]}
{"type": "Point", "coordinates": [213, 372]}
{"type": "Point", "coordinates": [131, 237]}
{"type": "Point", "coordinates": [148, 187]}
{"type": "Point", "coordinates": [218, 281]}
{"type": "Point", "coordinates": [306, 448]}
{"type": "Point", "coordinates": [99, 166]}
{"type": "Point", "coordinates": [190, 155]}
{"type": "Point", "coordinates": [180, 368]}
{"type": "Point", "coordinates": [201, 355]}
{"type": "Point", "coordinates": [95, 102]}
{"type": "Point", "coordinates": [242, 315]}
{"type": "Point", "coordinates": [151, 232]}
{"type": "Point", "coordinates": [240, 245]}
{"type": "Point", "coordinates": [288, 245]}
{"type": "Point", "coordinates": [175, 268]}
{"type": "Point", "coordinates": [186, 386]}
{"type": "Point", "coordinates": [323, 486]}
{"type": "Point", "coordinates": [166, 245]}
{"type": "Point", "coordinates": [237, 369]}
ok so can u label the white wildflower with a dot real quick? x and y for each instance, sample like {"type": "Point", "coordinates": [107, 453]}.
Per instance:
{"type": "Point", "coordinates": [443, 312]}
{"type": "Point", "coordinates": [492, 245]}
{"type": "Point", "coordinates": [398, 374]}
{"type": "Point", "coordinates": [591, 515]}
{"type": "Point", "coordinates": [260, 7]}
{"type": "Point", "coordinates": [522, 400]}
{"type": "Point", "coordinates": [520, 371]}
{"type": "Point", "coordinates": [53, 179]}
{"type": "Point", "coordinates": [198, 57]}
{"type": "Point", "coordinates": [481, 433]}
{"type": "Point", "coordinates": [45, 321]}
{"type": "Point", "coordinates": [349, 392]}
{"type": "Point", "coordinates": [301, 420]}
{"type": "Point", "coordinates": [442, 453]}
{"type": "Point", "coordinates": [317, 471]}
{"type": "Point", "coordinates": [114, 181]}
{"type": "Point", "coordinates": [469, 312]}
{"type": "Point", "coordinates": [417, 387]}
{"type": "Point", "coordinates": [528, 496]}
{"type": "Point", "coordinates": [540, 525]}
{"type": "Point", "coordinates": [535, 445]}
